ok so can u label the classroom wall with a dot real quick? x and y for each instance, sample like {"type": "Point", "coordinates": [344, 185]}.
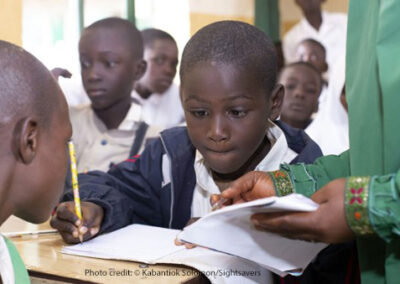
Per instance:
{"type": "Point", "coordinates": [11, 21]}
{"type": "Point", "coordinates": [203, 12]}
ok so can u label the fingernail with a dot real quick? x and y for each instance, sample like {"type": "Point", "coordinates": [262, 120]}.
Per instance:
{"type": "Point", "coordinates": [75, 234]}
{"type": "Point", "coordinates": [255, 222]}
{"type": "Point", "coordinates": [94, 231]}
{"type": "Point", "coordinates": [78, 223]}
{"type": "Point", "coordinates": [83, 229]}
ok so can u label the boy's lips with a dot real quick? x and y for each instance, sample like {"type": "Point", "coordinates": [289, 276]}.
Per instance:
{"type": "Point", "coordinates": [296, 106]}
{"type": "Point", "coordinates": [96, 92]}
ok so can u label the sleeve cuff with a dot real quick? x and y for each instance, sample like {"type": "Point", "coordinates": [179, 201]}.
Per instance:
{"type": "Point", "coordinates": [356, 204]}
{"type": "Point", "coordinates": [282, 182]}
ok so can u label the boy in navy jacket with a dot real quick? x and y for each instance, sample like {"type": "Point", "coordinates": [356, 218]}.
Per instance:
{"type": "Point", "coordinates": [230, 98]}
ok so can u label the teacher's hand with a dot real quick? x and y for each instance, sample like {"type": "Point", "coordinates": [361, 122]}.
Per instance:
{"type": "Point", "coordinates": [251, 186]}
{"type": "Point", "coordinates": [327, 224]}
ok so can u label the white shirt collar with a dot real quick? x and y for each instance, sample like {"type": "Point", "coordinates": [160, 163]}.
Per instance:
{"type": "Point", "coordinates": [133, 116]}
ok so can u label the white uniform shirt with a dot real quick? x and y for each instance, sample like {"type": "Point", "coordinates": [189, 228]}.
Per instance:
{"type": "Point", "coordinates": [96, 146]}
{"type": "Point", "coordinates": [332, 34]}
{"type": "Point", "coordinates": [6, 267]}
{"type": "Point", "coordinates": [162, 110]}
{"type": "Point", "coordinates": [206, 186]}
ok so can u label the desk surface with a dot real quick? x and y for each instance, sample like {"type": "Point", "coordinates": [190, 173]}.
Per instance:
{"type": "Point", "coordinates": [42, 257]}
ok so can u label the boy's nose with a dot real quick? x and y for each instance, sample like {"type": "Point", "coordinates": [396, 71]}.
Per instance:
{"type": "Point", "coordinates": [298, 93]}
{"type": "Point", "coordinates": [218, 131]}
{"type": "Point", "coordinates": [93, 74]}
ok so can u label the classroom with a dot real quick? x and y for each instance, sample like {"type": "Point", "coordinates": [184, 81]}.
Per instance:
{"type": "Point", "coordinates": [199, 141]}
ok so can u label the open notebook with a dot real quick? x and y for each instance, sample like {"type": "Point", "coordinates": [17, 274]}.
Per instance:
{"type": "Point", "coordinates": [227, 230]}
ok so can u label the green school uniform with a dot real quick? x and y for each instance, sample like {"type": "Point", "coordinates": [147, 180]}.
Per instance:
{"type": "Point", "coordinates": [20, 272]}
{"type": "Point", "coordinates": [372, 164]}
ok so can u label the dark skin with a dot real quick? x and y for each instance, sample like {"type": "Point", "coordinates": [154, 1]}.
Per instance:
{"type": "Point", "coordinates": [313, 54]}
{"type": "Point", "coordinates": [226, 113]}
{"type": "Point", "coordinates": [109, 68]}
{"type": "Point", "coordinates": [36, 152]}
{"type": "Point", "coordinates": [302, 90]}
{"type": "Point", "coordinates": [162, 59]}
{"type": "Point", "coordinates": [327, 224]}
{"type": "Point", "coordinates": [312, 11]}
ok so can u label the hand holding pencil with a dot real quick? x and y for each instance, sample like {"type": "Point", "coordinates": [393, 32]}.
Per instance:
{"type": "Point", "coordinates": [75, 220]}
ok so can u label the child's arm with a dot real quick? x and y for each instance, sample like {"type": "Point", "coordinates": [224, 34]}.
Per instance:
{"type": "Point", "coordinates": [129, 193]}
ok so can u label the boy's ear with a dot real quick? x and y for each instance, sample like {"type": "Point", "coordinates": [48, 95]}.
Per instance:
{"type": "Point", "coordinates": [26, 138]}
{"type": "Point", "coordinates": [140, 69]}
{"type": "Point", "coordinates": [276, 100]}
{"type": "Point", "coordinates": [325, 68]}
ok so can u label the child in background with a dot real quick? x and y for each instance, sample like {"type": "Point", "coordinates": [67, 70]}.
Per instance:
{"type": "Point", "coordinates": [230, 97]}
{"type": "Point", "coordinates": [110, 129]}
{"type": "Point", "coordinates": [155, 91]}
{"type": "Point", "coordinates": [327, 28]}
{"type": "Point", "coordinates": [314, 53]}
{"type": "Point", "coordinates": [34, 130]}
{"type": "Point", "coordinates": [302, 84]}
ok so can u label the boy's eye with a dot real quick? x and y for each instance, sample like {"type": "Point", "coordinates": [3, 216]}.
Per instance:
{"type": "Point", "coordinates": [199, 113]}
{"type": "Point", "coordinates": [312, 91]}
{"type": "Point", "coordinates": [159, 60]}
{"type": "Point", "coordinates": [111, 64]}
{"type": "Point", "coordinates": [85, 63]}
{"type": "Point", "coordinates": [237, 113]}
{"type": "Point", "coordinates": [290, 87]}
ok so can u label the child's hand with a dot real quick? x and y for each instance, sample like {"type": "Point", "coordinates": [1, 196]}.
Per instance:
{"type": "Point", "coordinates": [181, 243]}
{"type": "Point", "coordinates": [251, 186]}
{"type": "Point", "coordinates": [69, 225]}
{"type": "Point", "coordinates": [57, 72]}
{"type": "Point", "coordinates": [327, 224]}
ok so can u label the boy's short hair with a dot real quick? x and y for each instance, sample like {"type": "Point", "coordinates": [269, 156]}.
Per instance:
{"type": "Point", "coordinates": [131, 34]}
{"type": "Point", "coordinates": [314, 42]}
{"type": "Point", "coordinates": [234, 43]}
{"type": "Point", "coordinates": [151, 35]}
{"type": "Point", "coordinates": [24, 86]}
{"type": "Point", "coordinates": [306, 64]}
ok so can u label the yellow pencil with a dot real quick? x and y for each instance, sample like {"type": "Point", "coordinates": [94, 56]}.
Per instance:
{"type": "Point", "coordinates": [75, 186]}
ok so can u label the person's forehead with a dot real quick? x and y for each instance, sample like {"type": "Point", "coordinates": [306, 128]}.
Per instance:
{"type": "Point", "coordinates": [105, 40]}
{"type": "Point", "coordinates": [300, 72]}
{"type": "Point", "coordinates": [162, 46]}
{"type": "Point", "coordinates": [212, 75]}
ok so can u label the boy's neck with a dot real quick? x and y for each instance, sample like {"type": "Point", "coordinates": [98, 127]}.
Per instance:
{"type": "Point", "coordinates": [314, 18]}
{"type": "Point", "coordinates": [223, 180]}
{"type": "Point", "coordinates": [115, 114]}
{"type": "Point", "coordinates": [143, 92]}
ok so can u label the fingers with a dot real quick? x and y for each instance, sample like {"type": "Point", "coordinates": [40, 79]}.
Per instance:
{"type": "Point", "coordinates": [181, 243]}
{"type": "Point", "coordinates": [251, 186]}
{"type": "Point", "coordinates": [291, 225]}
{"type": "Point", "coordinates": [241, 185]}
{"type": "Point", "coordinates": [57, 72]}
{"type": "Point", "coordinates": [71, 228]}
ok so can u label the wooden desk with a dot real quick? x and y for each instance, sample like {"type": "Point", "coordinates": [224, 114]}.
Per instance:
{"type": "Point", "coordinates": [43, 259]}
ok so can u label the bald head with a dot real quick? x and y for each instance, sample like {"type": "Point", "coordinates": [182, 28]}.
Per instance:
{"type": "Point", "coordinates": [26, 87]}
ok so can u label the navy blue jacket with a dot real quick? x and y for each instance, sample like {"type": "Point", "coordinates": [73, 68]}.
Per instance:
{"type": "Point", "coordinates": [157, 187]}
